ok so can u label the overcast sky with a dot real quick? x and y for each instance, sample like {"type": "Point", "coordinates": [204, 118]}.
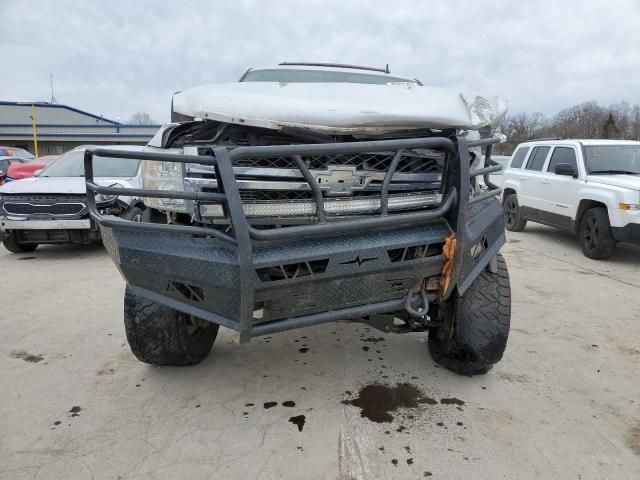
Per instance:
{"type": "Point", "coordinates": [115, 58]}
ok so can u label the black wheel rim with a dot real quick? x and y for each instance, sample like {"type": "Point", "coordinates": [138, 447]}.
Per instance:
{"type": "Point", "coordinates": [510, 212]}
{"type": "Point", "coordinates": [591, 233]}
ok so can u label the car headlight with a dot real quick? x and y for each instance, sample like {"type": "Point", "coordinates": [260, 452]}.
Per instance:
{"type": "Point", "coordinates": [163, 176]}
{"type": "Point", "coordinates": [103, 198]}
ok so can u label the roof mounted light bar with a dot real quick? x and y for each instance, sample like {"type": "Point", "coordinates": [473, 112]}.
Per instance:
{"type": "Point", "coordinates": [339, 65]}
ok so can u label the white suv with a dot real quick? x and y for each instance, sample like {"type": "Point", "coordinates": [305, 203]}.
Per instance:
{"type": "Point", "coordinates": [588, 187]}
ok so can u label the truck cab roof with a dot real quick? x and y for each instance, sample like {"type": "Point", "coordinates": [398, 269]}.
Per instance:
{"type": "Point", "coordinates": [305, 72]}
{"type": "Point", "coordinates": [583, 141]}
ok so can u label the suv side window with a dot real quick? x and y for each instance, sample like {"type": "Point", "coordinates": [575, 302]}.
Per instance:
{"type": "Point", "coordinates": [519, 156]}
{"type": "Point", "coordinates": [562, 155]}
{"type": "Point", "coordinates": [537, 158]}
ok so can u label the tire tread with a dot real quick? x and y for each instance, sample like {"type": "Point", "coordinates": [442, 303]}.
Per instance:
{"type": "Point", "coordinates": [607, 243]}
{"type": "Point", "coordinates": [482, 318]}
{"type": "Point", "coordinates": [158, 335]}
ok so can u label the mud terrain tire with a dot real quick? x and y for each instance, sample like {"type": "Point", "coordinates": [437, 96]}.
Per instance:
{"type": "Point", "coordinates": [475, 333]}
{"type": "Point", "coordinates": [160, 335]}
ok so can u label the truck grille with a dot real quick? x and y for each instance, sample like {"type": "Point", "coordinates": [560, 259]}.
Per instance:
{"type": "Point", "coordinates": [45, 205]}
{"type": "Point", "coordinates": [411, 162]}
{"type": "Point", "coordinates": [351, 184]}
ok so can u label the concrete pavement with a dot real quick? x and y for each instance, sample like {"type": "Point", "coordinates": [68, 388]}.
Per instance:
{"type": "Point", "coordinates": [564, 403]}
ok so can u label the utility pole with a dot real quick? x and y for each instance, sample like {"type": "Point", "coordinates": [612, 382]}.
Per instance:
{"type": "Point", "coordinates": [53, 99]}
{"type": "Point", "coordinates": [35, 133]}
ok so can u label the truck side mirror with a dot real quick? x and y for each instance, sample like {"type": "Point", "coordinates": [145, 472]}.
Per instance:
{"type": "Point", "coordinates": [566, 169]}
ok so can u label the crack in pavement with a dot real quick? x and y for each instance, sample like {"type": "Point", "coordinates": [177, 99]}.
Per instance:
{"type": "Point", "coordinates": [578, 266]}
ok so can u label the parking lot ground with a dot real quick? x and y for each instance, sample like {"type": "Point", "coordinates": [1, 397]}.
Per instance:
{"type": "Point", "coordinates": [563, 404]}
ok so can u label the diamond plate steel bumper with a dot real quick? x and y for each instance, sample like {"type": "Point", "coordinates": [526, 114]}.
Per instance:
{"type": "Point", "coordinates": [325, 271]}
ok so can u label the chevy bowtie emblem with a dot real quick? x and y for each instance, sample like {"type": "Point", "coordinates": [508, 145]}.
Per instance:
{"type": "Point", "coordinates": [359, 260]}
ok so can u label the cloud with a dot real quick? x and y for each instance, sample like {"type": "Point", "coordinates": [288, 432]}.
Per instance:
{"type": "Point", "coordinates": [115, 58]}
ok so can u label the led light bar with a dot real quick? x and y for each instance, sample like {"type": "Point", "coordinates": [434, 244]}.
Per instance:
{"type": "Point", "coordinates": [331, 206]}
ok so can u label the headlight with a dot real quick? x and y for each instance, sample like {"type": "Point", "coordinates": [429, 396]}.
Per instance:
{"type": "Point", "coordinates": [102, 198]}
{"type": "Point", "coordinates": [163, 176]}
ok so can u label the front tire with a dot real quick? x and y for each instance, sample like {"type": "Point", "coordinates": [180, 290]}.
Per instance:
{"type": "Point", "coordinates": [596, 237]}
{"type": "Point", "coordinates": [160, 335]}
{"type": "Point", "coordinates": [135, 214]}
{"type": "Point", "coordinates": [476, 325]}
{"type": "Point", "coordinates": [513, 219]}
{"type": "Point", "coordinates": [12, 244]}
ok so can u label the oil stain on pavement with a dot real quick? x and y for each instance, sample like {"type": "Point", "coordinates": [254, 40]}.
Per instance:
{"type": "Point", "coordinates": [75, 411]}
{"type": "Point", "coordinates": [299, 421]}
{"type": "Point", "coordinates": [377, 401]}
{"type": "Point", "coordinates": [27, 357]}
{"type": "Point", "coordinates": [633, 439]}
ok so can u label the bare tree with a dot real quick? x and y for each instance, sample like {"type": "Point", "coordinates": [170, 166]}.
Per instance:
{"type": "Point", "coordinates": [609, 127]}
{"type": "Point", "coordinates": [622, 116]}
{"type": "Point", "coordinates": [521, 127]}
{"type": "Point", "coordinates": [635, 123]}
{"type": "Point", "coordinates": [585, 120]}
{"type": "Point", "coordinates": [141, 118]}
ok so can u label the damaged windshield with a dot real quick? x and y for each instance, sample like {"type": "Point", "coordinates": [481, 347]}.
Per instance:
{"type": "Point", "coordinates": [613, 159]}
{"type": "Point", "coordinates": [71, 164]}
{"type": "Point", "coordinates": [290, 75]}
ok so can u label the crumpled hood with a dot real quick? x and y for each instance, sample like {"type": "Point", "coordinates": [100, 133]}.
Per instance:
{"type": "Point", "coordinates": [632, 182]}
{"type": "Point", "coordinates": [55, 185]}
{"type": "Point", "coordinates": [339, 108]}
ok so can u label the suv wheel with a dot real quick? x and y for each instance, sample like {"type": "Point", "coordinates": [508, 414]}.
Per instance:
{"type": "Point", "coordinates": [12, 244]}
{"type": "Point", "coordinates": [513, 219]}
{"type": "Point", "coordinates": [596, 237]}
{"type": "Point", "coordinates": [475, 326]}
{"type": "Point", "coordinates": [160, 335]}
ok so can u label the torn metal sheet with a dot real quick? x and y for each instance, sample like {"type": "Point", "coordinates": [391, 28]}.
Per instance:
{"type": "Point", "coordinates": [449, 251]}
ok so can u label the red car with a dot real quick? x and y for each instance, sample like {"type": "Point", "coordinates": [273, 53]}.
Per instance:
{"type": "Point", "coordinates": [18, 171]}
{"type": "Point", "coordinates": [6, 163]}
{"type": "Point", "coordinates": [15, 152]}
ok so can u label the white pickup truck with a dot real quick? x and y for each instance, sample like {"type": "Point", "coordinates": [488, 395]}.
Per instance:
{"type": "Point", "coordinates": [588, 187]}
{"type": "Point", "coordinates": [306, 193]}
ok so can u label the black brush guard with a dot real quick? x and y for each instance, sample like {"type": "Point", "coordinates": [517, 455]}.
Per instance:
{"type": "Point", "coordinates": [351, 268]}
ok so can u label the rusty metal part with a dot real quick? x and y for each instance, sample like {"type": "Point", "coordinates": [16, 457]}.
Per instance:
{"type": "Point", "coordinates": [449, 251]}
{"type": "Point", "coordinates": [433, 283]}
